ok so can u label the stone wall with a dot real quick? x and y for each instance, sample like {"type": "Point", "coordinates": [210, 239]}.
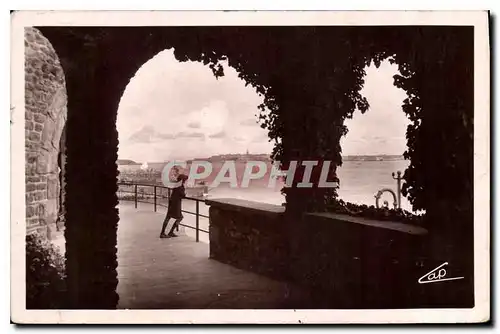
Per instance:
{"type": "Point", "coordinates": [350, 262]}
{"type": "Point", "coordinates": [356, 262]}
{"type": "Point", "coordinates": [249, 235]}
{"type": "Point", "coordinates": [45, 115]}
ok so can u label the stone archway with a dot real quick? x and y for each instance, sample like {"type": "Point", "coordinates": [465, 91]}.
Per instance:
{"type": "Point", "coordinates": [99, 62]}
{"type": "Point", "coordinates": [45, 100]}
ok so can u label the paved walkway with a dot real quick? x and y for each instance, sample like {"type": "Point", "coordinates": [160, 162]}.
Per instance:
{"type": "Point", "coordinates": [176, 273]}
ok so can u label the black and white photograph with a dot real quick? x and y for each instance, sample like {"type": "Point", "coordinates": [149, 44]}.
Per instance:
{"type": "Point", "coordinates": [250, 167]}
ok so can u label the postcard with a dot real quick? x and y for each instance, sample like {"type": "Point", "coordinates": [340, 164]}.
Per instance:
{"type": "Point", "coordinates": [250, 167]}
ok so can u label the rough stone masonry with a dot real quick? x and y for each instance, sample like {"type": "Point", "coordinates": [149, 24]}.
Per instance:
{"type": "Point", "coordinates": [45, 115]}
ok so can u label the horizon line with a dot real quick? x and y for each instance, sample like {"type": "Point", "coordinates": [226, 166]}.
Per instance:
{"type": "Point", "coordinates": [244, 154]}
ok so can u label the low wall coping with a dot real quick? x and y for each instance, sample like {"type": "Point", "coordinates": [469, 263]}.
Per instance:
{"type": "Point", "coordinates": [235, 204]}
{"type": "Point", "coordinates": [400, 227]}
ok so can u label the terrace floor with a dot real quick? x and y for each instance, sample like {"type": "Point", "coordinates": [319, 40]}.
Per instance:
{"type": "Point", "coordinates": [177, 273]}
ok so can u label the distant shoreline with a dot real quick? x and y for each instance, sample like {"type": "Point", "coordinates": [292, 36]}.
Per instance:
{"type": "Point", "coordinates": [243, 157]}
{"type": "Point", "coordinates": [126, 162]}
{"type": "Point", "coordinates": [381, 157]}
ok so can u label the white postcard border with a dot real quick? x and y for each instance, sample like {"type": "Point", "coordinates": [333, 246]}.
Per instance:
{"type": "Point", "coordinates": [479, 19]}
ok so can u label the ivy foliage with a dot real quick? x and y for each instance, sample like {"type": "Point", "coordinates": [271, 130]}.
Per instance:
{"type": "Point", "coordinates": [311, 79]}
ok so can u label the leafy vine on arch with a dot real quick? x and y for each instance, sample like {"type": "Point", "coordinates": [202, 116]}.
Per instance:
{"type": "Point", "coordinates": [311, 79]}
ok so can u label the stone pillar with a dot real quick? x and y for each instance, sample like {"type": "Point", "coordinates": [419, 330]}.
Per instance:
{"type": "Point", "coordinates": [91, 184]}
{"type": "Point", "coordinates": [96, 75]}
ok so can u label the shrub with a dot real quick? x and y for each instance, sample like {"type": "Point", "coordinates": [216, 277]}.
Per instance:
{"type": "Point", "coordinates": [371, 212]}
{"type": "Point", "coordinates": [45, 274]}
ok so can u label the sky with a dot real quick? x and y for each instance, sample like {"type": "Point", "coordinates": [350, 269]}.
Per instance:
{"type": "Point", "coordinates": [172, 110]}
{"type": "Point", "coordinates": [382, 128]}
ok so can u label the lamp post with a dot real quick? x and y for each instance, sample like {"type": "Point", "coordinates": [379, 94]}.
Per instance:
{"type": "Point", "coordinates": [397, 198]}
{"type": "Point", "coordinates": [398, 190]}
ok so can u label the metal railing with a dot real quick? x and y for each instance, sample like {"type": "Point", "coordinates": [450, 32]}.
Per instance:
{"type": "Point", "coordinates": [160, 196]}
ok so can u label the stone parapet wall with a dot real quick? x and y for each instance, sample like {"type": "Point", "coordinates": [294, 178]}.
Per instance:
{"type": "Point", "coordinates": [249, 235]}
{"type": "Point", "coordinates": [357, 262]}
{"type": "Point", "coordinates": [45, 116]}
{"type": "Point", "coordinates": [352, 262]}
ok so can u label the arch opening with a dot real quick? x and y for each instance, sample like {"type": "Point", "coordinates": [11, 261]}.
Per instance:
{"type": "Point", "coordinates": [374, 146]}
{"type": "Point", "coordinates": [174, 111]}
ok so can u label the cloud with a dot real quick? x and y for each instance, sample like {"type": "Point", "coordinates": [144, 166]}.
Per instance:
{"type": "Point", "coordinates": [144, 135]}
{"type": "Point", "coordinates": [210, 119]}
{"type": "Point", "coordinates": [249, 122]}
{"type": "Point", "coordinates": [190, 135]}
{"type": "Point", "coordinates": [195, 124]}
{"type": "Point", "coordinates": [239, 138]}
{"type": "Point", "coordinates": [262, 137]}
{"type": "Point", "coordinates": [167, 136]}
{"type": "Point", "coordinates": [220, 134]}
{"type": "Point", "coordinates": [147, 134]}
